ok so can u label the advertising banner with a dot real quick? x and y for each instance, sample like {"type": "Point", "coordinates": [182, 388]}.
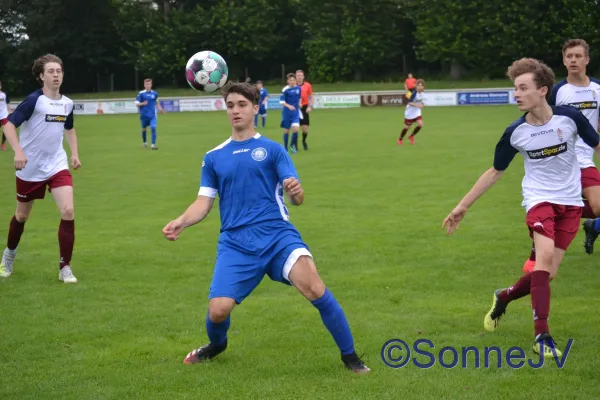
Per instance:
{"type": "Point", "coordinates": [337, 101]}
{"type": "Point", "coordinates": [170, 105]}
{"type": "Point", "coordinates": [470, 98]}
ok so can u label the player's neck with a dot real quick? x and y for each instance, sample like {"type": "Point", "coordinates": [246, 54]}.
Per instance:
{"type": "Point", "coordinates": [51, 93]}
{"type": "Point", "coordinates": [580, 79]}
{"type": "Point", "coordinates": [539, 115]}
{"type": "Point", "coordinates": [242, 135]}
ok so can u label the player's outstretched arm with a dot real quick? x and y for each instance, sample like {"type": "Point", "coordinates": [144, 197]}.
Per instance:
{"type": "Point", "coordinates": [193, 215]}
{"type": "Point", "coordinates": [72, 141]}
{"type": "Point", "coordinates": [485, 181]}
{"type": "Point", "coordinates": [10, 131]}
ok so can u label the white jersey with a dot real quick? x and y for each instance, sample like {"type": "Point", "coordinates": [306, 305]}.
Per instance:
{"type": "Point", "coordinates": [43, 121]}
{"type": "Point", "coordinates": [3, 105]}
{"type": "Point", "coordinates": [552, 173]}
{"type": "Point", "coordinates": [412, 112]}
{"type": "Point", "coordinates": [586, 99]}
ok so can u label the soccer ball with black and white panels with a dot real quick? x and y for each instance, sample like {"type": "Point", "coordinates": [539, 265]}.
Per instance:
{"type": "Point", "coordinates": [206, 71]}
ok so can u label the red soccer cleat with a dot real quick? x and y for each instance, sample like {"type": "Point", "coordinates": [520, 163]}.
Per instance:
{"type": "Point", "coordinates": [412, 139]}
{"type": "Point", "coordinates": [528, 266]}
{"type": "Point", "coordinates": [399, 142]}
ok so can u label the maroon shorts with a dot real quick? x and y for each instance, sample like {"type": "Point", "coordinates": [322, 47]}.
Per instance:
{"type": "Point", "coordinates": [409, 122]}
{"type": "Point", "coordinates": [590, 176]}
{"type": "Point", "coordinates": [557, 222]}
{"type": "Point", "coordinates": [3, 121]}
{"type": "Point", "coordinates": [28, 191]}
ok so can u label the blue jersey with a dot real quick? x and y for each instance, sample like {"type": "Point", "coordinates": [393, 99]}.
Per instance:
{"type": "Point", "coordinates": [263, 96]}
{"type": "Point", "coordinates": [291, 95]}
{"type": "Point", "coordinates": [248, 177]}
{"type": "Point", "coordinates": [149, 110]}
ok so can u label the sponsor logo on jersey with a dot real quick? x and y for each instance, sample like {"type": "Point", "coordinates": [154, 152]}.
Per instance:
{"type": "Point", "coordinates": [540, 133]}
{"type": "Point", "coordinates": [547, 151]}
{"type": "Point", "coordinates": [585, 105]}
{"type": "Point", "coordinates": [56, 118]}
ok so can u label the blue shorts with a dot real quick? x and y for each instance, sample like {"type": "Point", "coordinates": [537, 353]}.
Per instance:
{"type": "Point", "coordinates": [245, 255]}
{"type": "Point", "coordinates": [148, 121]}
{"type": "Point", "coordinates": [262, 110]}
{"type": "Point", "coordinates": [290, 118]}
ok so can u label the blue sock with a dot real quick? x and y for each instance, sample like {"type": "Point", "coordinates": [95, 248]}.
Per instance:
{"type": "Point", "coordinates": [264, 121]}
{"type": "Point", "coordinates": [295, 139]}
{"type": "Point", "coordinates": [217, 332]}
{"type": "Point", "coordinates": [256, 120]}
{"type": "Point", "coordinates": [286, 137]}
{"type": "Point", "coordinates": [597, 224]}
{"type": "Point", "coordinates": [153, 135]}
{"type": "Point", "coordinates": [334, 319]}
{"type": "Point", "coordinates": [144, 135]}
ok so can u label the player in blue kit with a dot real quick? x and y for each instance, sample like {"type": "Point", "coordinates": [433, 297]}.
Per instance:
{"type": "Point", "coordinates": [262, 104]}
{"type": "Point", "coordinates": [147, 101]}
{"type": "Point", "coordinates": [291, 113]}
{"type": "Point", "coordinates": [251, 173]}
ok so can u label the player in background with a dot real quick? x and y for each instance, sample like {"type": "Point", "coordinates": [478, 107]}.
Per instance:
{"type": "Point", "coordinates": [583, 93]}
{"type": "Point", "coordinates": [256, 237]}
{"type": "Point", "coordinates": [45, 118]}
{"type": "Point", "coordinates": [291, 113]}
{"type": "Point", "coordinates": [4, 102]}
{"type": "Point", "coordinates": [412, 113]}
{"type": "Point", "coordinates": [409, 85]}
{"type": "Point", "coordinates": [147, 101]}
{"type": "Point", "coordinates": [306, 102]}
{"type": "Point", "coordinates": [263, 103]}
{"type": "Point", "coordinates": [546, 137]}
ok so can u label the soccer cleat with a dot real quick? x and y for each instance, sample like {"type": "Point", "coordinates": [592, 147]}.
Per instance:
{"type": "Point", "coordinates": [66, 275]}
{"type": "Point", "coordinates": [490, 322]}
{"type": "Point", "coordinates": [412, 139]}
{"type": "Point", "coordinates": [204, 353]}
{"type": "Point", "coordinates": [590, 235]}
{"type": "Point", "coordinates": [154, 147]}
{"type": "Point", "coordinates": [305, 145]}
{"type": "Point", "coordinates": [145, 145]}
{"type": "Point", "coordinates": [355, 364]}
{"type": "Point", "coordinates": [293, 149]}
{"type": "Point", "coordinates": [6, 266]}
{"type": "Point", "coordinates": [528, 266]}
{"type": "Point", "coordinates": [399, 142]}
{"type": "Point", "coordinates": [546, 346]}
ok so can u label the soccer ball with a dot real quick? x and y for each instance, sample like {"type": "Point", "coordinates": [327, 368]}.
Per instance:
{"type": "Point", "coordinates": [206, 71]}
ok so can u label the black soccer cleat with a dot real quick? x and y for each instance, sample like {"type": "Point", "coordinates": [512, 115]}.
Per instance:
{"type": "Point", "coordinates": [590, 235]}
{"type": "Point", "coordinates": [204, 353]}
{"type": "Point", "coordinates": [305, 145]}
{"type": "Point", "coordinates": [492, 318]}
{"type": "Point", "coordinates": [355, 364]}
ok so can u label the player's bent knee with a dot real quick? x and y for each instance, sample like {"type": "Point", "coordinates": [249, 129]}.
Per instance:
{"type": "Point", "coordinates": [22, 212]}
{"type": "Point", "coordinates": [219, 308]}
{"type": "Point", "coordinates": [306, 279]}
{"type": "Point", "coordinates": [67, 212]}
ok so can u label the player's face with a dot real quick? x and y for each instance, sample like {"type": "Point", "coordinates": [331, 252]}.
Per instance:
{"type": "Point", "coordinates": [575, 59]}
{"type": "Point", "coordinates": [292, 82]}
{"type": "Point", "coordinates": [526, 93]}
{"type": "Point", "coordinates": [420, 87]}
{"type": "Point", "coordinates": [259, 86]}
{"type": "Point", "coordinates": [300, 77]}
{"type": "Point", "coordinates": [52, 75]}
{"type": "Point", "coordinates": [240, 111]}
{"type": "Point", "coordinates": [148, 85]}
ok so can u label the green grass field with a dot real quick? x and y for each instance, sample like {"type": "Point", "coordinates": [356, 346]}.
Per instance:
{"type": "Point", "coordinates": [372, 217]}
{"type": "Point", "coordinates": [317, 87]}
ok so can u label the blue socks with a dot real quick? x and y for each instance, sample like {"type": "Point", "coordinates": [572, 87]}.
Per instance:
{"type": "Point", "coordinates": [597, 224]}
{"type": "Point", "coordinates": [153, 136]}
{"type": "Point", "coordinates": [144, 135]}
{"type": "Point", "coordinates": [295, 139]}
{"type": "Point", "coordinates": [264, 121]}
{"type": "Point", "coordinates": [335, 321]}
{"type": "Point", "coordinates": [217, 332]}
{"type": "Point", "coordinates": [286, 137]}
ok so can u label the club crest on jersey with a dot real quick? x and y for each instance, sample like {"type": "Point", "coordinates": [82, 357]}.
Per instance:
{"type": "Point", "coordinates": [259, 154]}
{"type": "Point", "coordinates": [559, 134]}
{"type": "Point", "coordinates": [547, 151]}
{"type": "Point", "coordinates": [56, 118]}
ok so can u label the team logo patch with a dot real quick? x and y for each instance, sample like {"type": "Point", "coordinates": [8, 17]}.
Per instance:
{"type": "Point", "coordinates": [585, 105]}
{"type": "Point", "coordinates": [55, 118]}
{"type": "Point", "coordinates": [547, 151]}
{"type": "Point", "coordinates": [559, 134]}
{"type": "Point", "coordinates": [259, 154]}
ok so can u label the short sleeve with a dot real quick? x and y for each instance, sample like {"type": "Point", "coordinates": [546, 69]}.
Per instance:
{"type": "Point", "coordinates": [69, 123]}
{"type": "Point", "coordinates": [584, 129]}
{"type": "Point", "coordinates": [284, 165]}
{"type": "Point", "coordinates": [209, 183]}
{"type": "Point", "coordinates": [505, 152]}
{"type": "Point", "coordinates": [139, 98]}
{"type": "Point", "coordinates": [24, 111]}
{"type": "Point", "coordinates": [413, 96]}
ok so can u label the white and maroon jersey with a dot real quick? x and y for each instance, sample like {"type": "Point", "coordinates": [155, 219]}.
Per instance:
{"type": "Point", "coordinates": [552, 173]}
{"type": "Point", "coordinates": [586, 99]}
{"type": "Point", "coordinates": [412, 112]}
{"type": "Point", "coordinates": [43, 121]}
{"type": "Point", "coordinates": [4, 100]}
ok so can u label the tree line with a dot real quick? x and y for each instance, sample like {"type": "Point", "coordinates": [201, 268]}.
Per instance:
{"type": "Point", "coordinates": [114, 44]}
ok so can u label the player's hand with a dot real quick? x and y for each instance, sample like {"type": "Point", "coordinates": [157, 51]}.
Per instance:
{"type": "Point", "coordinates": [172, 230]}
{"type": "Point", "coordinates": [452, 221]}
{"type": "Point", "coordinates": [291, 108]}
{"type": "Point", "coordinates": [292, 187]}
{"type": "Point", "coordinates": [308, 109]}
{"type": "Point", "coordinates": [20, 160]}
{"type": "Point", "coordinates": [145, 103]}
{"type": "Point", "coordinates": [75, 163]}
